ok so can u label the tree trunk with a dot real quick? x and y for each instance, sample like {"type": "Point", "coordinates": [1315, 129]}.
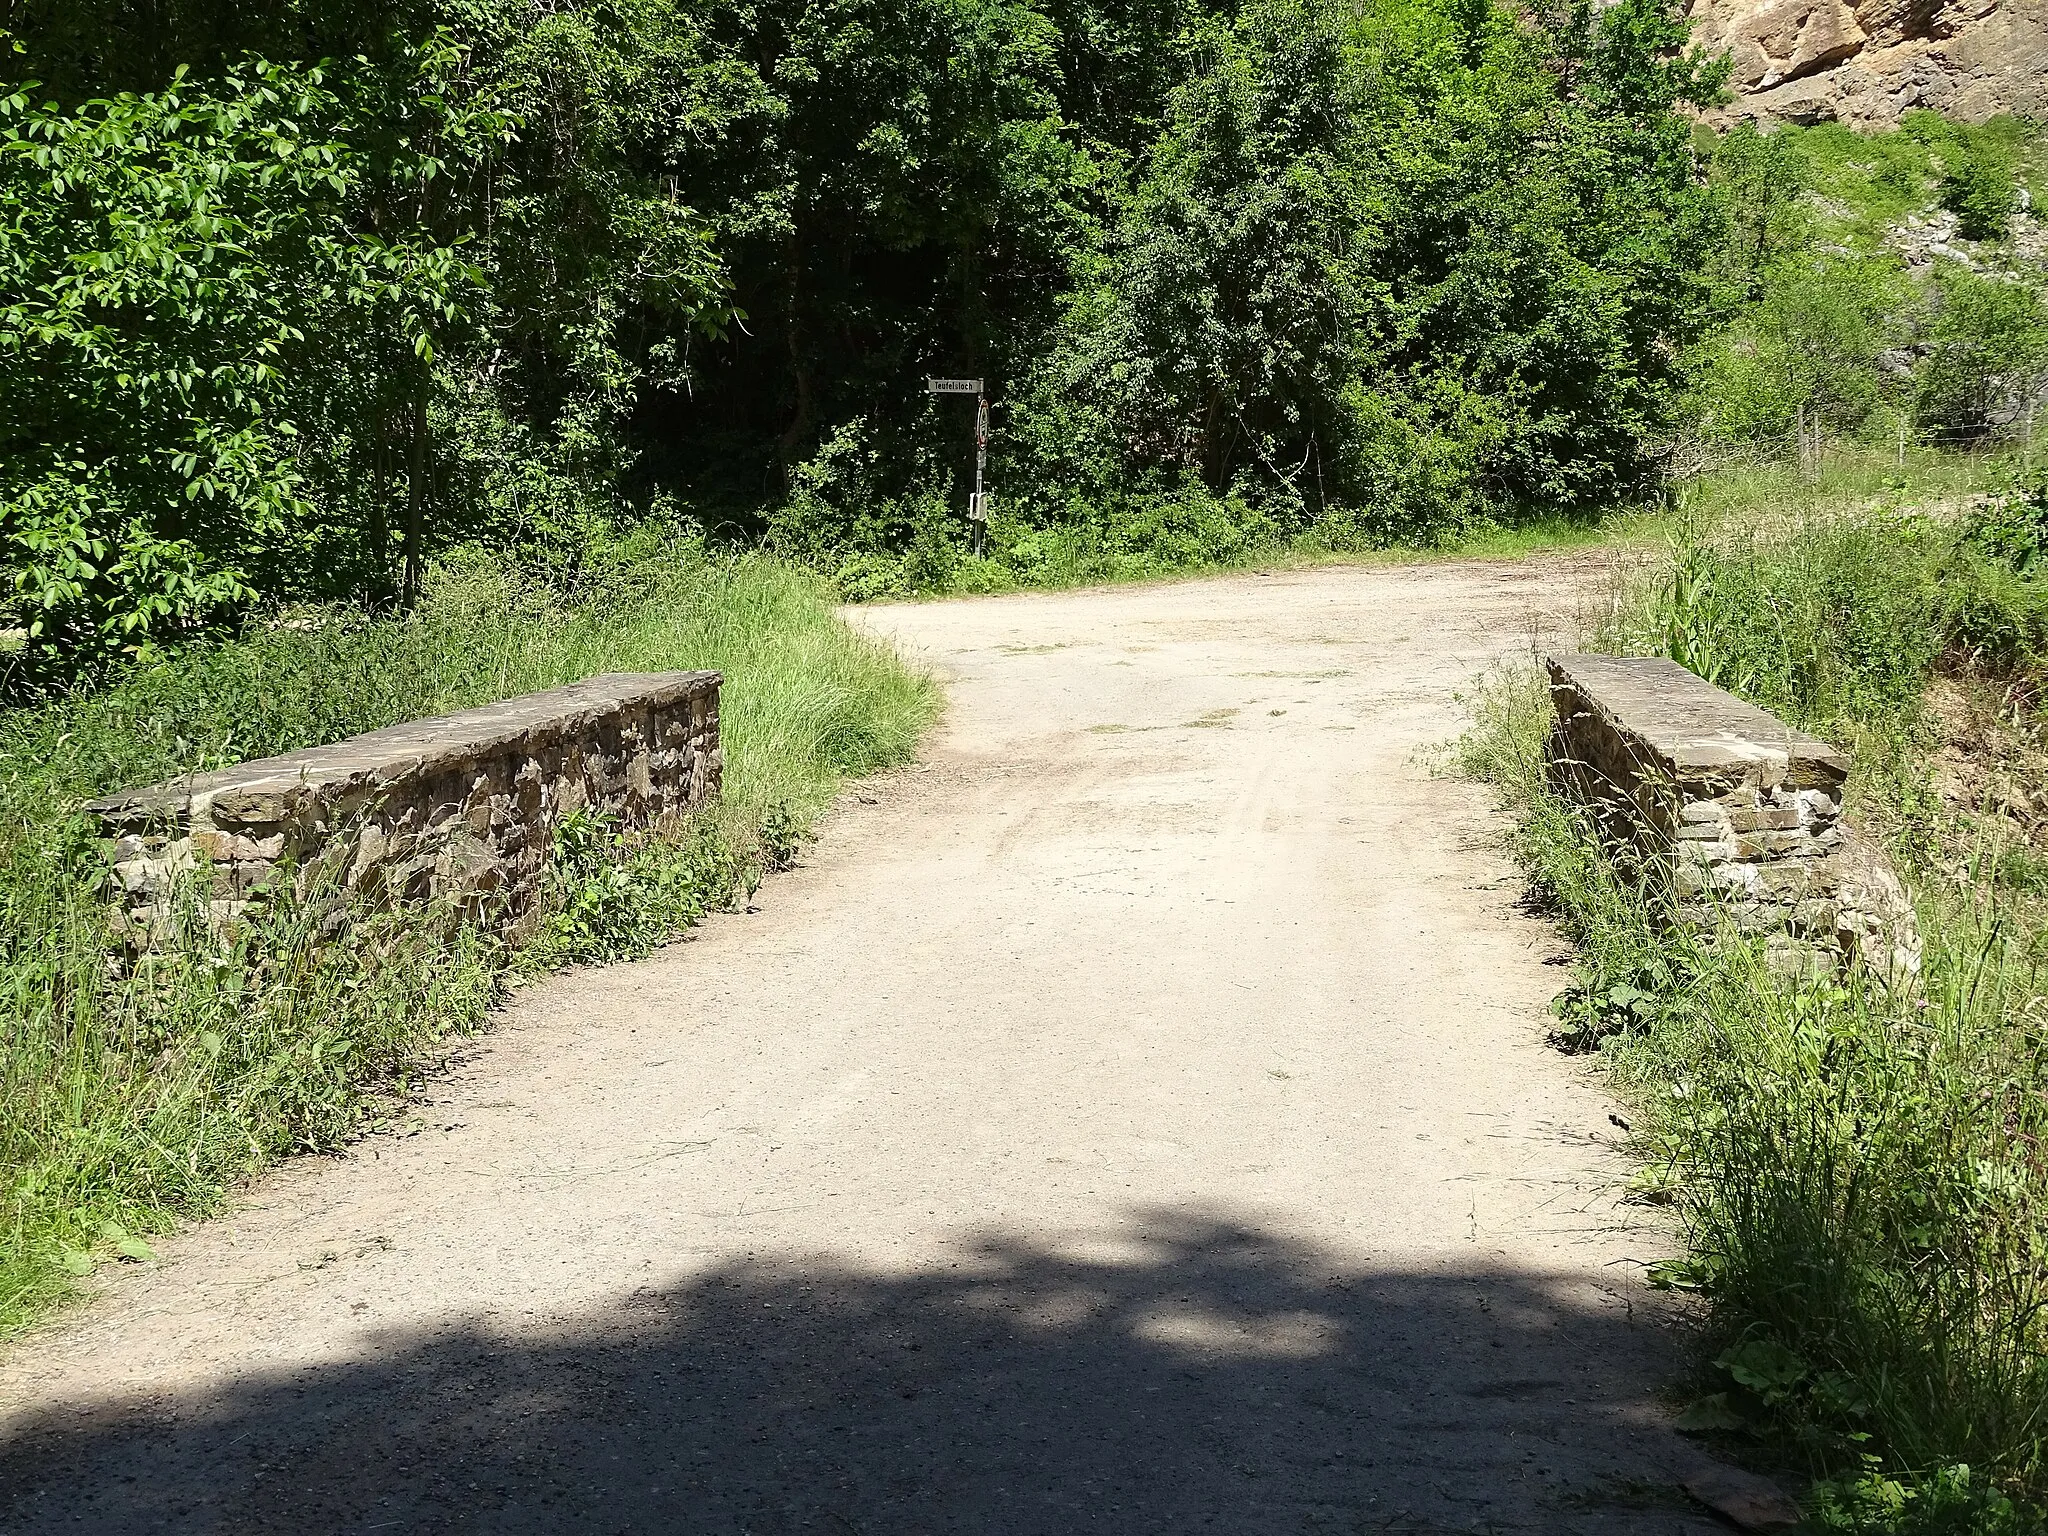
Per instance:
{"type": "Point", "coordinates": [799, 429]}
{"type": "Point", "coordinates": [377, 530]}
{"type": "Point", "coordinates": [416, 497]}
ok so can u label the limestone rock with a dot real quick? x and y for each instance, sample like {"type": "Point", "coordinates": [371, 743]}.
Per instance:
{"type": "Point", "coordinates": [1865, 62]}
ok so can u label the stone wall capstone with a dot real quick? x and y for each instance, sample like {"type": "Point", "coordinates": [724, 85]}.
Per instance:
{"type": "Point", "coordinates": [461, 808]}
{"type": "Point", "coordinates": [1745, 811]}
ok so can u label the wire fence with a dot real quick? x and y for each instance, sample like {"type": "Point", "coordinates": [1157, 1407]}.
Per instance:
{"type": "Point", "coordinates": [1809, 445]}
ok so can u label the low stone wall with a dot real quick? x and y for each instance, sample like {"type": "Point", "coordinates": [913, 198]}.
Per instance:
{"type": "Point", "coordinates": [460, 808]}
{"type": "Point", "coordinates": [1745, 810]}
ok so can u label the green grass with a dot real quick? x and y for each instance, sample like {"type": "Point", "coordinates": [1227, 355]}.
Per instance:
{"type": "Point", "coordinates": [1862, 1177]}
{"type": "Point", "coordinates": [1849, 477]}
{"type": "Point", "coordinates": [1079, 565]}
{"type": "Point", "coordinates": [131, 1098]}
{"type": "Point", "coordinates": [1864, 184]}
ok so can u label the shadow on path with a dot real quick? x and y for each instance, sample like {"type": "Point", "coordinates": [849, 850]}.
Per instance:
{"type": "Point", "coordinates": [1208, 1377]}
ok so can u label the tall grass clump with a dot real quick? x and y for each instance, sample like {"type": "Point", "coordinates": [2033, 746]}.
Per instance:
{"type": "Point", "coordinates": [137, 1089]}
{"type": "Point", "coordinates": [1860, 1172]}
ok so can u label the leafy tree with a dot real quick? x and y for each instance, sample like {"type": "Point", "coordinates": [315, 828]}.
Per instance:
{"type": "Point", "coordinates": [173, 265]}
{"type": "Point", "coordinates": [1986, 361]}
{"type": "Point", "coordinates": [1811, 350]}
{"type": "Point", "coordinates": [1394, 268]}
{"type": "Point", "coordinates": [1761, 182]}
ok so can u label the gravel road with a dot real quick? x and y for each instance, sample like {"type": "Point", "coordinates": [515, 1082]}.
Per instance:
{"type": "Point", "coordinates": [1134, 1117]}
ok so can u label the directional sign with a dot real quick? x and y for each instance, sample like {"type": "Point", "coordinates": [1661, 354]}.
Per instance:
{"type": "Point", "coordinates": [977, 500]}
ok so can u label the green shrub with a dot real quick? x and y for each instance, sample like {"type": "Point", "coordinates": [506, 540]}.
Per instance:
{"type": "Point", "coordinates": [1387, 270]}
{"type": "Point", "coordinates": [1810, 350]}
{"type": "Point", "coordinates": [1977, 187]}
{"type": "Point", "coordinates": [168, 257]}
{"type": "Point", "coordinates": [1760, 180]}
{"type": "Point", "coordinates": [1987, 352]}
{"type": "Point", "coordinates": [1949, 1501]}
{"type": "Point", "coordinates": [2012, 528]}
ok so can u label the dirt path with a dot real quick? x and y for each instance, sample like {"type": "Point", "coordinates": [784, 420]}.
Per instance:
{"type": "Point", "coordinates": [1134, 1119]}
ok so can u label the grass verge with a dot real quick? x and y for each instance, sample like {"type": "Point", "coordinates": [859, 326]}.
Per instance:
{"type": "Point", "coordinates": [133, 1097]}
{"type": "Point", "coordinates": [1189, 537]}
{"type": "Point", "coordinates": [1862, 1177]}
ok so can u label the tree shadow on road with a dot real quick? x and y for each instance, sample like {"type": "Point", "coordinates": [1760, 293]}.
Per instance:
{"type": "Point", "coordinates": [1204, 1376]}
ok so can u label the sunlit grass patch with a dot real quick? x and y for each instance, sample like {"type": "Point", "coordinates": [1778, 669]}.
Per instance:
{"type": "Point", "coordinates": [131, 1096]}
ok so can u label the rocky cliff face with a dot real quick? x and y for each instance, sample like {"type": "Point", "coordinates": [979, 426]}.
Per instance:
{"type": "Point", "coordinates": [1864, 62]}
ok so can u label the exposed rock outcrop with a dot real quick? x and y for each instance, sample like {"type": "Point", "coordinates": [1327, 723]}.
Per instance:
{"type": "Point", "coordinates": [1865, 62]}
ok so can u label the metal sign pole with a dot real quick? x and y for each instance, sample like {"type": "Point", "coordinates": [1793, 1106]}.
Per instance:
{"type": "Point", "coordinates": [977, 500]}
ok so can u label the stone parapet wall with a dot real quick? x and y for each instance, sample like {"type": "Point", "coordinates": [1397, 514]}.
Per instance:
{"type": "Point", "coordinates": [1744, 811]}
{"type": "Point", "coordinates": [460, 809]}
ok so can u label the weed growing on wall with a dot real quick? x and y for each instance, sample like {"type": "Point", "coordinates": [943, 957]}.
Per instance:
{"type": "Point", "coordinates": [134, 1092]}
{"type": "Point", "coordinates": [615, 893]}
{"type": "Point", "coordinates": [1859, 1174]}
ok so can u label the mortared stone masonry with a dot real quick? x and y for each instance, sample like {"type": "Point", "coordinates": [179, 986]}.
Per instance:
{"type": "Point", "coordinates": [460, 809]}
{"type": "Point", "coordinates": [1744, 811]}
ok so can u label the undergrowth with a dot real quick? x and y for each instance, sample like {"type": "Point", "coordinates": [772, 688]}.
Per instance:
{"type": "Point", "coordinates": [132, 1095]}
{"type": "Point", "coordinates": [1191, 535]}
{"type": "Point", "coordinates": [1860, 1174]}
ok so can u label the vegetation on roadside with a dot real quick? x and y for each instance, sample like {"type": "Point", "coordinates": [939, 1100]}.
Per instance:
{"type": "Point", "coordinates": [133, 1094]}
{"type": "Point", "coordinates": [1861, 1175]}
{"type": "Point", "coordinates": [296, 298]}
{"type": "Point", "coordinates": [1884, 289]}
{"type": "Point", "coordinates": [303, 306]}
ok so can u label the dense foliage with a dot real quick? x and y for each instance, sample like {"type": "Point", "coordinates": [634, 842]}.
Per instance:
{"type": "Point", "coordinates": [293, 297]}
{"type": "Point", "coordinates": [1392, 272]}
{"type": "Point", "coordinates": [168, 259]}
{"type": "Point", "coordinates": [1874, 289]}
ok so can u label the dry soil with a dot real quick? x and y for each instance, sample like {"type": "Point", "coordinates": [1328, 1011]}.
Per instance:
{"type": "Point", "coordinates": [1134, 1117]}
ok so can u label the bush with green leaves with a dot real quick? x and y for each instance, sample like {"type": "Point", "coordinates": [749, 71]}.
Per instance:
{"type": "Point", "coordinates": [1977, 187]}
{"type": "Point", "coordinates": [1398, 268]}
{"type": "Point", "coordinates": [1955, 1500]}
{"type": "Point", "coordinates": [1811, 351]}
{"type": "Point", "coordinates": [1986, 362]}
{"type": "Point", "coordinates": [1826, 330]}
{"type": "Point", "coordinates": [1761, 180]}
{"type": "Point", "coordinates": [189, 312]}
{"type": "Point", "coordinates": [2012, 527]}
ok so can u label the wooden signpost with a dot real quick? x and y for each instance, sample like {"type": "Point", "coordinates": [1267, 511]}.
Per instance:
{"type": "Point", "coordinates": [977, 501]}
